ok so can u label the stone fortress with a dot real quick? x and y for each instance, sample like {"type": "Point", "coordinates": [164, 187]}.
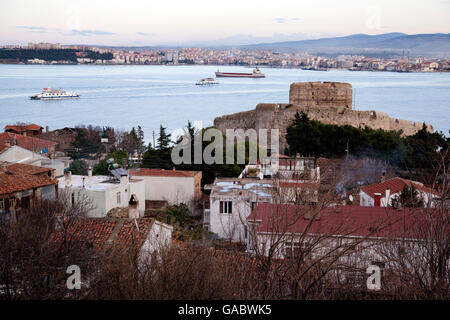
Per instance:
{"type": "Point", "coordinates": [327, 102]}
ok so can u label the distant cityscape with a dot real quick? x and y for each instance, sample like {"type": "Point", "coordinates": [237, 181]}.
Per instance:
{"type": "Point", "coordinates": [79, 54]}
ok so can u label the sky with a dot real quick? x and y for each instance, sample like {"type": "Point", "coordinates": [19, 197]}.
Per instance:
{"type": "Point", "coordinates": [178, 22]}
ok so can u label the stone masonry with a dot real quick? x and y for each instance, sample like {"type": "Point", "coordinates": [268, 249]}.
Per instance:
{"type": "Point", "coordinates": [327, 102]}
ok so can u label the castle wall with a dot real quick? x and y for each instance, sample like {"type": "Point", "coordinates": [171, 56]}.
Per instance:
{"type": "Point", "coordinates": [331, 105]}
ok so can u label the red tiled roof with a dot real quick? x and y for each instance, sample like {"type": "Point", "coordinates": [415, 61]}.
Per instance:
{"type": "Point", "coordinates": [101, 232]}
{"type": "Point", "coordinates": [341, 220]}
{"type": "Point", "coordinates": [29, 143]}
{"type": "Point", "coordinates": [395, 185]}
{"type": "Point", "coordinates": [163, 173]}
{"type": "Point", "coordinates": [20, 177]}
{"type": "Point", "coordinates": [20, 128]}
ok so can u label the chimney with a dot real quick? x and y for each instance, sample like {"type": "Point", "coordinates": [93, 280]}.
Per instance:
{"type": "Point", "coordinates": [68, 177]}
{"type": "Point", "coordinates": [311, 212]}
{"type": "Point", "coordinates": [377, 199]}
{"type": "Point", "coordinates": [46, 129]}
{"type": "Point", "coordinates": [133, 207]}
{"type": "Point", "coordinates": [124, 179]}
{"type": "Point", "coordinates": [90, 171]}
{"type": "Point", "coordinates": [173, 169]}
{"type": "Point", "coordinates": [15, 140]}
{"type": "Point", "coordinates": [388, 194]}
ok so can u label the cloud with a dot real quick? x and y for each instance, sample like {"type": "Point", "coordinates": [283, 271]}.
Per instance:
{"type": "Point", "coordinates": [83, 33]}
{"type": "Point", "coordinates": [285, 20]}
{"type": "Point", "coordinates": [144, 34]}
{"type": "Point", "coordinates": [279, 20]}
{"type": "Point", "coordinates": [32, 28]}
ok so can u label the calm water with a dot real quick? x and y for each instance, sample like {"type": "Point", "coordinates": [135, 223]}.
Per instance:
{"type": "Point", "coordinates": [126, 96]}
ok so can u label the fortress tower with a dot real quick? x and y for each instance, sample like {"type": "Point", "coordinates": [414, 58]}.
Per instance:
{"type": "Point", "coordinates": [311, 94]}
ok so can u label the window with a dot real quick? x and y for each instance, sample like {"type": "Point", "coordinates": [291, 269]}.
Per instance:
{"type": "Point", "coordinates": [12, 203]}
{"type": "Point", "coordinates": [226, 207]}
{"type": "Point", "coordinates": [118, 197]}
{"type": "Point", "coordinates": [254, 205]}
{"type": "Point", "coordinates": [73, 199]}
{"type": "Point", "coordinates": [245, 232]}
{"type": "Point", "coordinates": [292, 249]}
{"type": "Point", "coordinates": [2, 205]}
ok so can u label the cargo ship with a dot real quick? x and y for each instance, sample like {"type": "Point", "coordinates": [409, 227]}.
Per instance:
{"type": "Point", "coordinates": [255, 74]}
{"type": "Point", "coordinates": [50, 94]}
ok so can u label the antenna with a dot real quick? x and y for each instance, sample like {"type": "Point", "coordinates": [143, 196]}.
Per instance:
{"type": "Point", "coordinates": [136, 224]}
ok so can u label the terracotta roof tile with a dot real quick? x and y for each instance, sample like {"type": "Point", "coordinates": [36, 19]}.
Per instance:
{"type": "Point", "coordinates": [102, 232]}
{"type": "Point", "coordinates": [19, 128]}
{"type": "Point", "coordinates": [395, 185]}
{"type": "Point", "coordinates": [341, 220]}
{"type": "Point", "coordinates": [20, 177]}
{"type": "Point", "coordinates": [29, 143]}
{"type": "Point", "coordinates": [163, 173]}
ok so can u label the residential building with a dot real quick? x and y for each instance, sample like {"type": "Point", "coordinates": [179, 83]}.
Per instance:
{"type": "Point", "coordinates": [16, 154]}
{"type": "Point", "coordinates": [382, 194]}
{"type": "Point", "coordinates": [231, 202]}
{"type": "Point", "coordinates": [23, 185]}
{"type": "Point", "coordinates": [172, 186]}
{"type": "Point", "coordinates": [278, 179]}
{"type": "Point", "coordinates": [148, 235]}
{"type": "Point", "coordinates": [34, 144]}
{"type": "Point", "coordinates": [100, 194]}
{"type": "Point", "coordinates": [288, 230]}
{"type": "Point", "coordinates": [25, 130]}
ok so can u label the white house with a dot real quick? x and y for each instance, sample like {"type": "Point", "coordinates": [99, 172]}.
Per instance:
{"type": "Point", "coordinates": [381, 194]}
{"type": "Point", "coordinates": [286, 230]}
{"type": "Point", "coordinates": [173, 186]}
{"type": "Point", "coordinates": [16, 154]}
{"type": "Point", "coordinates": [231, 201]}
{"type": "Point", "coordinates": [279, 179]}
{"type": "Point", "coordinates": [102, 193]}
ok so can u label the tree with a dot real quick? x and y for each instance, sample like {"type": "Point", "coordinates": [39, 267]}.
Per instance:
{"type": "Point", "coordinates": [140, 142]}
{"type": "Point", "coordinates": [79, 167]}
{"type": "Point", "coordinates": [164, 139]}
{"type": "Point", "coordinates": [408, 197]}
{"type": "Point", "coordinates": [86, 142]}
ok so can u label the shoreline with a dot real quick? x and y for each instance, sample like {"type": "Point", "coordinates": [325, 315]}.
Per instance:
{"type": "Point", "coordinates": [217, 65]}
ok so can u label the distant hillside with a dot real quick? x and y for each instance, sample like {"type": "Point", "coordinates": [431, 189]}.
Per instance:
{"type": "Point", "coordinates": [436, 44]}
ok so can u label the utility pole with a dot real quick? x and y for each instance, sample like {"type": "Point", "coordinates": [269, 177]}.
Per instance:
{"type": "Point", "coordinates": [154, 145]}
{"type": "Point", "coordinates": [348, 149]}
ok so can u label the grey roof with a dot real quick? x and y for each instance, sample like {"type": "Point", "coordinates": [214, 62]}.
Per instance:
{"type": "Point", "coordinates": [119, 172]}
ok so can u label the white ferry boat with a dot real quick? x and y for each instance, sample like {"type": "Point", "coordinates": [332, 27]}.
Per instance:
{"type": "Point", "coordinates": [48, 94]}
{"type": "Point", "coordinates": [206, 82]}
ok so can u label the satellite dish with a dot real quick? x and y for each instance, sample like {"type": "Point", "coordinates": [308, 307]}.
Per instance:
{"type": "Point", "coordinates": [350, 197]}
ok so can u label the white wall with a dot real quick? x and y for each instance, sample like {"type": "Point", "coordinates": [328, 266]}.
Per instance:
{"type": "Point", "coordinates": [16, 154]}
{"type": "Point", "coordinates": [101, 201]}
{"type": "Point", "coordinates": [174, 190]}
{"type": "Point", "coordinates": [231, 226]}
{"type": "Point", "coordinates": [158, 238]}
